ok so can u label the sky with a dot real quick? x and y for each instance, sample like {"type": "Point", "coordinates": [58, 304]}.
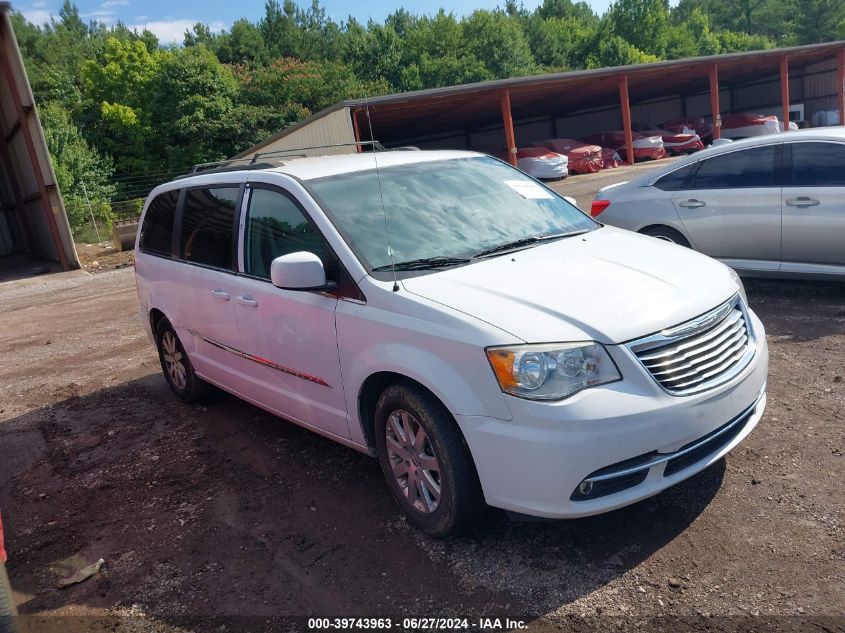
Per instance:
{"type": "Point", "coordinates": [169, 20]}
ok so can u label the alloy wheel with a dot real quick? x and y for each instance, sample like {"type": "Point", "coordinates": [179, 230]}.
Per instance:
{"type": "Point", "coordinates": [173, 360]}
{"type": "Point", "coordinates": [413, 461]}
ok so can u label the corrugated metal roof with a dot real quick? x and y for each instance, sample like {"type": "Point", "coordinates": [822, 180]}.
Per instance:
{"type": "Point", "coordinates": [473, 106]}
{"type": "Point", "coordinates": [830, 48]}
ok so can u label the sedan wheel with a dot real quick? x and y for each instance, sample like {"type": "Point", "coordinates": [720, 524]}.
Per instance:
{"type": "Point", "coordinates": [667, 234]}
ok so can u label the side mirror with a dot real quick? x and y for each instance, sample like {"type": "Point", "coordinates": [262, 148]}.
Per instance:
{"type": "Point", "coordinates": [298, 271]}
{"type": "Point", "coordinates": [571, 201]}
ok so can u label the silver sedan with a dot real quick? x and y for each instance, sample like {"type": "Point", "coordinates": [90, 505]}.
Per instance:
{"type": "Point", "coordinates": [767, 206]}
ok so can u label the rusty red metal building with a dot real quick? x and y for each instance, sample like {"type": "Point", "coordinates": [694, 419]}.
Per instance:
{"type": "Point", "coordinates": [793, 83]}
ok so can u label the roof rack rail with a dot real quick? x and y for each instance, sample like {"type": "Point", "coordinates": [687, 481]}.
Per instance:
{"type": "Point", "coordinates": [377, 147]}
{"type": "Point", "coordinates": [296, 152]}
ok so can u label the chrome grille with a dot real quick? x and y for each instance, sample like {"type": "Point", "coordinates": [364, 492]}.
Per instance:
{"type": "Point", "coordinates": [699, 354]}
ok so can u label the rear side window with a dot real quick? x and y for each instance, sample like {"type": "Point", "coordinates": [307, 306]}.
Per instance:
{"type": "Point", "coordinates": [276, 226]}
{"type": "Point", "coordinates": [157, 230]}
{"type": "Point", "coordinates": [208, 219]}
{"type": "Point", "coordinates": [675, 180]}
{"type": "Point", "coordinates": [818, 165]}
{"type": "Point", "coordinates": [742, 169]}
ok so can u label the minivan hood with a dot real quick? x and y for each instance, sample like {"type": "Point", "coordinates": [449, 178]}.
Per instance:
{"type": "Point", "coordinates": [608, 285]}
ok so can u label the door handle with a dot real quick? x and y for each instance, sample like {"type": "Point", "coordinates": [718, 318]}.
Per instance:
{"type": "Point", "coordinates": [802, 201]}
{"type": "Point", "coordinates": [692, 204]}
{"type": "Point", "coordinates": [248, 300]}
{"type": "Point", "coordinates": [220, 294]}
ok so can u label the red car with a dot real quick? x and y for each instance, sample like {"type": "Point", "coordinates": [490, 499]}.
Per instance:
{"type": "Point", "coordinates": [611, 158]}
{"type": "Point", "coordinates": [645, 147]}
{"type": "Point", "coordinates": [689, 124]}
{"type": "Point", "coordinates": [7, 605]}
{"type": "Point", "coordinates": [583, 158]}
{"type": "Point", "coordinates": [684, 141]}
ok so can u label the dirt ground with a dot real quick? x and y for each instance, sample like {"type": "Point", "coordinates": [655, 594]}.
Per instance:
{"type": "Point", "coordinates": [220, 509]}
{"type": "Point", "coordinates": [103, 257]}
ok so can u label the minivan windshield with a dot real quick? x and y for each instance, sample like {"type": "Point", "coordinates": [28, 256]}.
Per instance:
{"type": "Point", "coordinates": [443, 212]}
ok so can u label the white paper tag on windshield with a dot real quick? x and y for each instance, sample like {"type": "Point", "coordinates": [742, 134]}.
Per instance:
{"type": "Point", "coordinates": [528, 190]}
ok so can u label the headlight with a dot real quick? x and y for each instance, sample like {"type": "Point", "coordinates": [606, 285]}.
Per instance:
{"type": "Point", "coordinates": [740, 286]}
{"type": "Point", "coordinates": [553, 371]}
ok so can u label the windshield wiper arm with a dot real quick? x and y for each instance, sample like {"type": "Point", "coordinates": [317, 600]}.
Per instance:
{"type": "Point", "coordinates": [424, 263]}
{"type": "Point", "coordinates": [525, 241]}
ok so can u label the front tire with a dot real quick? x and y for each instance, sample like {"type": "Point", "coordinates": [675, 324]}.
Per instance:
{"type": "Point", "coordinates": [425, 461]}
{"type": "Point", "coordinates": [177, 367]}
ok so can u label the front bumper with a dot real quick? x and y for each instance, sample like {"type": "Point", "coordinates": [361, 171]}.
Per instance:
{"type": "Point", "coordinates": [534, 463]}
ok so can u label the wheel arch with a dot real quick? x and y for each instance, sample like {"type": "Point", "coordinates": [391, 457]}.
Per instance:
{"type": "Point", "coordinates": [156, 317]}
{"type": "Point", "coordinates": [661, 225]}
{"type": "Point", "coordinates": [370, 392]}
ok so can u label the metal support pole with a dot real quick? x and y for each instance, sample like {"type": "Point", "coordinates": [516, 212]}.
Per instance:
{"type": "Point", "coordinates": [356, 129]}
{"type": "Point", "coordinates": [840, 85]}
{"type": "Point", "coordinates": [784, 90]}
{"type": "Point", "coordinates": [714, 101]}
{"type": "Point", "coordinates": [625, 105]}
{"type": "Point", "coordinates": [507, 119]}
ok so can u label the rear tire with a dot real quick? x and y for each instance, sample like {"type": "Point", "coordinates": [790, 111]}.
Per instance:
{"type": "Point", "coordinates": [667, 234]}
{"type": "Point", "coordinates": [177, 367]}
{"type": "Point", "coordinates": [425, 461]}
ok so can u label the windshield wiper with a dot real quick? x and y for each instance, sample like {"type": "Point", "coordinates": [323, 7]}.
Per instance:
{"type": "Point", "coordinates": [525, 241]}
{"type": "Point", "coordinates": [424, 263]}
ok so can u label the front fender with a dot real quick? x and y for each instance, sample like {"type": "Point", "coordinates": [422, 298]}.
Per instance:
{"type": "Point", "coordinates": [455, 371]}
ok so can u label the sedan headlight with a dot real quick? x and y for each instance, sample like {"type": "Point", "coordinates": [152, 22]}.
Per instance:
{"type": "Point", "coordinates": [553, 371]}
{"type": "Point", "coordinates": [740, 286]}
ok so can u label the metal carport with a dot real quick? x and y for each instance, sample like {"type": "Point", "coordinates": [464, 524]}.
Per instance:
{"type": "Point", "coordinates": [33, 223]}
{"type": "Point", "coordinates": [561, 104]}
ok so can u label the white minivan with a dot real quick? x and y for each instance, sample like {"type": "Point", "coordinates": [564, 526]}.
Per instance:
{"type": "Point", "coordinates": [451, 316]}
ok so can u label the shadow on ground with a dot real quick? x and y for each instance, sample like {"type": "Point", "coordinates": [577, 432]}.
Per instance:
{"type": "Point", "coordinates": [800, 310]}
{"type": "Point", "coordinates": [222, 509]}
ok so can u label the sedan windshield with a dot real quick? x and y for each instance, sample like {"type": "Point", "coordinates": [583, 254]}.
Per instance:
{"type": "Point", "coordinates": [444, 212]}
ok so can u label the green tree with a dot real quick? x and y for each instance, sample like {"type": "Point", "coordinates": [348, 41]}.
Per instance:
{"type": "Point", "coordinates": [560, 42]}
{"type": "Point", "coordinates": [377, 52]}
{"type": "Point", "coordinates": [613, 50]}
{"type": "Point", "coordinates": [79, 168]}
{"type": "Point", "coordinates": [580, 11]}
{"type": "Point", "coordinates": [436, 46]}
{"type": "Point", "coordinates": [244, 44]}
{"type": "Point", "coordinates": [498, 42]}
{"type": "Point", "coordinates": [116, 88]}
{"type": "Point", "coordinates": [644, 24]}
{"type": "Point", "coordinates": [735, 42]}
{"type": "Point", "coordinates": [819, 20]}
{"type": "Point", "coordinates": [193, 95]}
{"type": "Point", "coordinates": [122, 73]}
{"type": "Point", "coordinates": [278, 28]}
{"type": "Point", "coordinates": [692, 37]}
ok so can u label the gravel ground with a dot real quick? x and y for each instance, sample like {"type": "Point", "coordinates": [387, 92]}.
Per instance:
{"type": "Point", "coordinates": [221, 509]}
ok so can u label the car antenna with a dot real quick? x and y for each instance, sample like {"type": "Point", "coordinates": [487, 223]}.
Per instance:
{"type": "Point", "coordinates": [381, 197]}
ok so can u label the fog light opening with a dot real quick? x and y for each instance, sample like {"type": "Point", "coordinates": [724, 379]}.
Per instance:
{"type": "Point", "coordinates": [585, 487]}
